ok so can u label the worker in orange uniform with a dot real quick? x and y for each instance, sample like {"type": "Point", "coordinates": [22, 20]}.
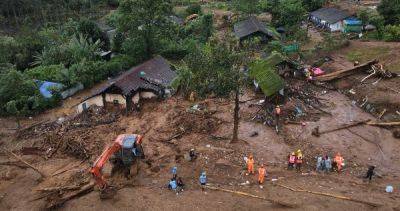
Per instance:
{"type": "Point", "coordinates": [261, 174]}
{"type": "Point", "coordinates": [339, 162]}
{"type": "Point", "coordinates": [250, 165]}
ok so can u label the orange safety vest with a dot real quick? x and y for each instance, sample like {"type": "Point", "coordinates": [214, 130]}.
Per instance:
{"type": "Point", "coordinates": [261, 171]}
{"type": "Point", "coordinates": [250, 161]}
{"type": "Point", "coordinates": [292, 159]}
{"type": "Point", "coordinates": [339, 159]}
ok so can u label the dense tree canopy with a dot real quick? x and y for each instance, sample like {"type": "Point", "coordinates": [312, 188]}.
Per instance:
{"type": "Point", "coordinates": [390, 10]}
{"type": "Point", "coordinates": [146, 23]}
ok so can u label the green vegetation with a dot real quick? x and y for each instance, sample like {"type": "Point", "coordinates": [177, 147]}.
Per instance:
{"type": "Point", "coordinates": [390, 10]}
{"type": "Point", "coordinates": [67, 51]}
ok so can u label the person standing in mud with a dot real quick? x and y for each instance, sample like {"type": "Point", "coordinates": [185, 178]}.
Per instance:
{"type": "Point", "coordinates": [277, 117]}
{"type": "Point", "coordinates": [370, 173]}
{"type": "Point", "coordinates": [299, 160]}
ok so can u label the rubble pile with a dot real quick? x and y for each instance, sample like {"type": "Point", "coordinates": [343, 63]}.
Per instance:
{"type": "Point", "coordinates": [194, 121]}
{"type": "Point", "coordinates": [75, 136]}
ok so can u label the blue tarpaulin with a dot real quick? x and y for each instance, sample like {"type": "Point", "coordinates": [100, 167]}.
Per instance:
{"type": "Point", "coordinates": [352, 21]}
{"type": "Point", "coordinates": [45, 88]}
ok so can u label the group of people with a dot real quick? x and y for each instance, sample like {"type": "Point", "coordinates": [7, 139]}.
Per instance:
{"type": "Point", "coordinates": [295, 159]}
{"type": "Point", "coordinates": [261, 169]}
{"type": "Point", "coordinates": [176, 183]}
{"type": "Point", "coordinates": [326, 164]}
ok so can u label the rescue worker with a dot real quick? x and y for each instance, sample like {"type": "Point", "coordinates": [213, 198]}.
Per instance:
{"type": "Point", "coordinates": [172, 185]}
{"type": "Point", "coordinates": [180, 183]}
{"type": "Point", "coordinates": [203, 180]}
{"type": "Point", "coordinates": [174, 172]}
{"type": "Point", "coordinates": [370, 172]}
{"type": "Point", "coordinates": [192, 155]}
{"type": "Point", "coordinates": [299, 160]}
{"type": "Point", "coordinates": [277, 117]}
{"type": "Point", "coordinates": [328, 164]}
{"type": "Point", "coordinates": [339, 162]}
{"type": "Point", "coordinates": [261, 174]}
{"type": "Point", "coordinates": [319, 163]}
{"type": "Point", "coordinates": [250, 165]}
{"type": "Point", "coordinates": [292, 159]}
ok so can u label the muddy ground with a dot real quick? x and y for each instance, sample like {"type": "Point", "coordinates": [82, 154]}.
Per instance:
{"type": "Point", "coordinates": [208, 131]}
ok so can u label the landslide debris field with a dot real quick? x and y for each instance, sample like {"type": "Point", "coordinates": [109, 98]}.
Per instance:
{"type": "Point", "coordinates": [63, 150]}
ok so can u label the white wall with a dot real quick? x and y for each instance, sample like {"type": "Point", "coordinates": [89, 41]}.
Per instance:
{"type": "Point", "coordinates": [97, 100]}
{"type": "Point", "coordinates": [338, 26]}
{"type": "Point", "coordinates": [111, 97]}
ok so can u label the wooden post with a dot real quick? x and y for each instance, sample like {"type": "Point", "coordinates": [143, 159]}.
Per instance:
{"type": "Point", "coordinates": [103, 95]}
{"type": "Point", "coordinates": [128, 99]}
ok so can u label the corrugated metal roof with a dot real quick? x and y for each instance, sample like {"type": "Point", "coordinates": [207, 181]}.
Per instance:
{"type": "Point", "coordinates": [156, 69]}
{"type": "Point", "coordinates": [251, 25]}
{"type": "Point", "coordinates": [152, 74]}
{"type": "Point", "coordinates": [330, 15]}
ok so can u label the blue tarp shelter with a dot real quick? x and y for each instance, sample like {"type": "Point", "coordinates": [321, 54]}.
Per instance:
{"type": "Point", "coordinates": [45, 88]}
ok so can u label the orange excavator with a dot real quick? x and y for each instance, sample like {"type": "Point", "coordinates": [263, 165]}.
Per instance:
{"type": "Point", "coordinates": [123, 153]}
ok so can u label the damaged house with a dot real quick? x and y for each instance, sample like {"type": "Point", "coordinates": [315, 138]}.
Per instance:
{"type": "Point", "coordinates": [252, 27]}
{"type": "Point", "coordinates": [150, 79]}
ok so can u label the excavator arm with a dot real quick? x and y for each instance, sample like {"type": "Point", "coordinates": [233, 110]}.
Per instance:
{"type": "Point", "coordinates": [101, 161]}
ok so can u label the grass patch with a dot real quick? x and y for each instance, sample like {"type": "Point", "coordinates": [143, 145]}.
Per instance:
{"type": "Point", "coordinates": [394, 67]}
{"type": "Point", "coordinates": [367, 54]}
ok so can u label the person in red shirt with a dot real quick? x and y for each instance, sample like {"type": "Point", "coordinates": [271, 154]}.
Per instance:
{"type": "Point", "coordinates": [292, 160]}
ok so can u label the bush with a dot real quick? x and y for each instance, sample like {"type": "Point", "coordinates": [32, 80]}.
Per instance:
{"type": "Point", "coordinates": [92, 31]}
{"type": "Point", "coordinates": [88, 72]}
{"type": "Point", "coordinates": [392, 33]}
{"type": "Point", "coordinates": [53, 73]}
{"type": "Point", "coordinates": [113, 3]}
{"type": "Point", "coordinates": [116, 65]}
{"type": "Point", "coordinates": [194, 9]}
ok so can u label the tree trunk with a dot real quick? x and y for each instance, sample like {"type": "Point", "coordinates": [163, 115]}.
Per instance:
{"type": "Point", "coordinates": [236, 117]}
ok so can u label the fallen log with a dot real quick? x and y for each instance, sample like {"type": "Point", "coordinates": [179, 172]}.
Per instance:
{"type": "Point", "coordinates": [84, 190]}
{"type": "Point", "coordinates": [317, 132]}
{"type": "Point", "coordinates": [281, 203]}
{"type": "Point", "coordinates": [373, 204]}
{"type": "Point", "coordinates": [26, 163]}
{"type": "Point", "coordinates": [383, 124]}
{"type": "Point", "coordinates": [344, 73]}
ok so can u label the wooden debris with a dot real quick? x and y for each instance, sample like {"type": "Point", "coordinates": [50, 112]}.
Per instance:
{"type": "Point", "coordinates": [384, 124]}
{"type": "Point", "coordinates": [84, 190]}
{"type": "Point", "coordinates": [57, 189]}
{"type": "Point", "coordinates": [317, 132]}
{"type": "Point", "coordinates": [373, 204]}
{"type": "Point", "coordinates": [382, 113]}
{"type": "Point", "coordinates": [31, 151]}
{"type": "Point", "coordinates": [281, 203]}
{"type": "Point", "coordinates": [26, 163]}
{"type": "Point", "coordinates": [348, 72]}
